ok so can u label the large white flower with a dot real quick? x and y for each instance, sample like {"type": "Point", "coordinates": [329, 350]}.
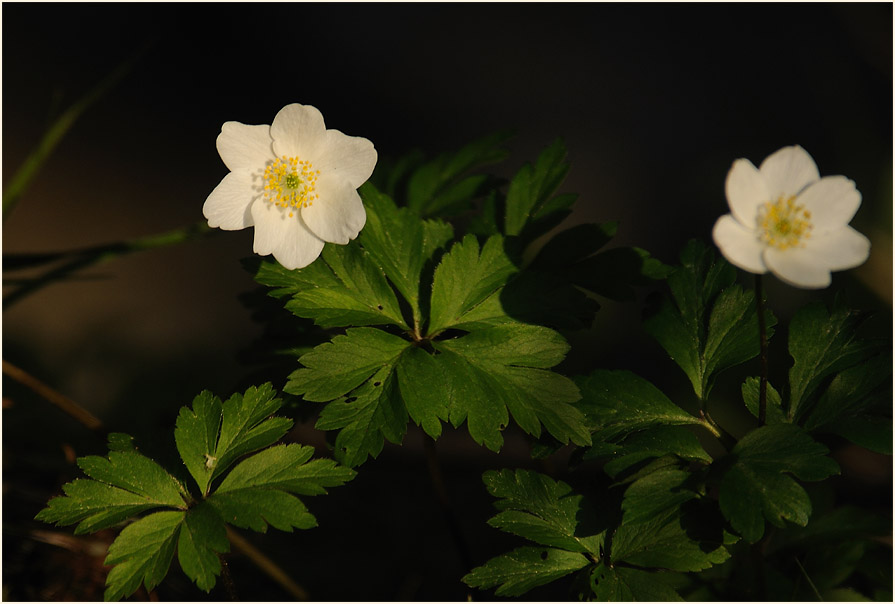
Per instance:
{"type": "Point", "coordinates": [787, 219]}
{"type": "Point", "coordinates": [294, 181]}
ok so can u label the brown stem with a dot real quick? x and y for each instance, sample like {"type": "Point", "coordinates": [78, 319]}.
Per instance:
{"type": "Point", "coordinates": [763, 355]}
{"type": "Point", "coordinates": [57, 398]}
{"type": "Point", "coordinates": [227, 580]}
{"type": "Point", "coordinates": [267, 566]}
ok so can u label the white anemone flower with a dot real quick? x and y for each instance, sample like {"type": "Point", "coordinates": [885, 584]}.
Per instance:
{"type": "Point", "coordinates": [786, 219]}
{"type": "Point", "coordinates": [294, 181]}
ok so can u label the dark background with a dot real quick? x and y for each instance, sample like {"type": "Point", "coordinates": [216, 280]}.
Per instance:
{"type": "Point", "coordinates": [654, 103]}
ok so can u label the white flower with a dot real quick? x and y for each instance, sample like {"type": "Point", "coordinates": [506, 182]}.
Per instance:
{"type": "Point", "coordinates": [787, 219]}
{"type": "Point", "coordinates": [294, 181]}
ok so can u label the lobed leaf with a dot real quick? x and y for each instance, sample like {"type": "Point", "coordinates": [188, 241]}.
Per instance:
{"type": "Point", "coordinates": [203, 536]}
{"type": "Point", "coordinates": [773, 411]}
{"type": "Point", "coordinates": [525, 568]}
{"type": "Point", "coordinates": [464, 278]}
{"type": "Point", "coordinates": [755, 486]}
{"type": "Point", "coordinates": [618, 403]}
{"type": "Point", "coordinates": [622, 584]}
{"type": "Point", "coordinates": [531, 190]}
{"type": "Point", "coordinates": [142, 553]}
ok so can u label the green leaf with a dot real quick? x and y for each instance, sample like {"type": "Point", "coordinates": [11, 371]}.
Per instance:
{"type": "Point", "coordinates": [356, 294]}
{"type": "Point", "coordinates": [260, 490]}
{"type": "Point", "coordinates": [542, 510]}
{"type": "Point", "coordinates": [402, 244]}
{"type": "Point", "coordinates": [648, 444]}
{"type": "Point", "coordinates": [712, 324]}
{"type": "Point", "coordinates": [840, 524]}
{"type": "Point", "coordinates": [437, 187]}
{"type": "Point", "coordinates": [755, 485]}
{"type": "Point", "coordinates": [423, 387]}
{"type": "Point", "coordinates": [369, 415]}
{"type": "Point", "coordinates": [464, 278]}
{"type": "Point", "coordinates": [532, 188]}
{"type": "Point", "coordinates": [525, 568]}
{"type": "Point", "coordinates": [621, 584]}
{"type": "Point", "coordinates": [822, 343]}
{"type": "Point", "coordinates": [858, 405]}
{"type": "Point", "coordinates": [504, 367]}
{"type": "Point", "coordinates": [774, 409]}
{"type": "Point", "coordinates": [125, 484]}
{"type": "Point", "coordinates": [618, 403]}
{"type": "Point", "coordinates": [142, 553]}
{"type": "Point", "coordinates": [202, 537]}
{"type": "Point", "coordinates": [336, 368]}
{"type": "Point", "coordinates": [659, 531]}
{"type": "Point", "coordinates": [211, 435]}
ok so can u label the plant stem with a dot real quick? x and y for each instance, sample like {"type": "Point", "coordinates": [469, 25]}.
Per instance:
{"type": "Point", "coordinates": [266, 565]}
{"type": "Point", "coordinates": [763, 354]}
{"type": "Point", "coordinates": [441, 492]}
{"type": "Point", "coordinates": [86, 257]}
{"type": "Point", "coordinates": [57, 398]}
{"type": "Point", "coordinates": [807, 578]}
{"type": "Point", "coordinates": [228, 580]}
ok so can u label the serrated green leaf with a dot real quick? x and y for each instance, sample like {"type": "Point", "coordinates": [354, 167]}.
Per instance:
{"type": "Point", "coordinates": [712, 324]}
{"type": "Point", "coordinates": [336, 368]}
{"type": "Point", "coordinates": [525, 568]}
{"type": "Point", "coordinates": [288, 282]}
{"type": "Point", "coordinates": [136, 473]}
{"type": "Point", "coordinates": [821, 343]}
{"type": "Point", "coordinates": [464, 278]}
{"type": "Point", "coordinates": [542, 510]}
{"type": "Point", "coordinates": [857, 404]}
{"type": "Point", "coordinates": [436, 186]}
{"type": "Point", "coordinates": [118, 441]}
{"type": "Point", "coordinates": [95, 506]}
{"type": "Point", "coordinates": [532, 188]}
{"type": "Point", "coordinates": [773, 411]}
{"type": "Point", "coordinates": [203, 536]}
{"type": "Point", "coordinates": [648, 444]}
{"type": "Point", "coordinates": [620, 584]}
{"type": "Point", "coordinates": [369, 415]}
{"type": "Point", "coordinates": [255, 508]}
{"type": "Point", "coordinates": [424, 390]}
{"type": "Point", "coordinates": [658, 532]}
{"type": "Point", "coordinates": [621, 402]}
{"type": "Point", "coordinates": [211, 435]}
{"type": "Point", "coordinates": [142, 553]}
{"type": "Point", "coordinates": [402, 244]}
{"type": "Point", "coordinates": [755, 486]}
{"type": "Point", "coordinates": [357, 295]}
{"type": "Point", "coordinates": [502, 368]}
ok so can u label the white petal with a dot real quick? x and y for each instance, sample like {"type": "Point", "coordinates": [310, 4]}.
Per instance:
{"type": "Point", "coordinates": [832, 201]}
{"type": "Point", "coordinates": [228, 206]}
{"type": "Point", "coordinates": [338, 215]}
{"type": "Point", "coordinates": [746, 191]}
{"type": "Point", "coordinates": [788, 171]}
{"type": "Point", "coordinates": [840, 249]}
{"type": "Point", "coordinates": [350, 158]}
{"type": "Point", "coordinates": [798, 267]}
{"type": "Point", "coordinates": [739, 245]}
{"type": "Point", "coordinates": [286, 237]}
{"type": "Point", "coordinates": [270, 227]}
{"type": "Point", "coordinates": [242, 146]}
{"type": "Point", "coordinates": [298, 131]}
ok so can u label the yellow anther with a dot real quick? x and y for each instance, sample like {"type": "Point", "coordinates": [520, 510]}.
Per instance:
{"type": "Point", "coordinates": [784, 223]}
{"type": "Point", "coordinates": [290, 181]}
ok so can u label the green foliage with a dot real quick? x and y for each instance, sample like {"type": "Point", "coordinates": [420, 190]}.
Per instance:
{"type": "Point", "coordinates": [211, 437]}
{"type": "Point", "coordinates": [754, 485]}
{"type": "Point", "coordinates": [712, 324]}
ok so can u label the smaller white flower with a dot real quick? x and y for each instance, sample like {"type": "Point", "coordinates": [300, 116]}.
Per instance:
{"type": "Point", "coordinates": [294, 181]}
{"type": "Point", "coordinates": [786, 219]}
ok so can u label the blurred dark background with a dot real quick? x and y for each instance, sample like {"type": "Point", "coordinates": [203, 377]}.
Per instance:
{"type": "Point", "coordinates": [654, 102]}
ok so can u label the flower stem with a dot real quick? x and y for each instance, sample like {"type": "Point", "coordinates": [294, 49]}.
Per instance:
{"type": "Point", "coordinates": [763, 354]}
{"type": "Point", "coordinates": [57, 398]}
{"type": "Point", "coordinates": [266, 565]}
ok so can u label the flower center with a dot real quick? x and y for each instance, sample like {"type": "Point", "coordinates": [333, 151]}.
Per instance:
{"type": "Point", "coordinates": [290, 182]}
{"type": "Point", "coordinates": [784, 223]}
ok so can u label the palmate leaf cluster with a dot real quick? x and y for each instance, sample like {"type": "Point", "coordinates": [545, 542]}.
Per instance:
{"type": "Point", "coordinates": [685, 516]}
{"type": "Point", "coordinates": [240, 478]}
{"type": "Point", "coordinates": [440, 327]}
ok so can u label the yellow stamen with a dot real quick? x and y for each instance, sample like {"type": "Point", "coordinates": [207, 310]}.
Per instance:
{"type": "Point", "coordinates": [290, 182]}
{"type": "Point", "coordinates": [784, 224]}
